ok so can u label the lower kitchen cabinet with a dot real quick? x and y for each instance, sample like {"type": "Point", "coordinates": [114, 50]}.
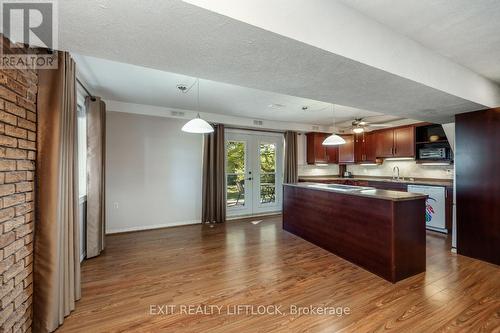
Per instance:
{"type": "Point", "coordinates": [394, 186]}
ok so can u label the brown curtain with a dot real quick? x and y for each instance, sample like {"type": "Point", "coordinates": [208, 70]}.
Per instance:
{"type": "Point", "coordinates": [291, 165]}
{"type": "Point", "coordinates": [96, 152]}
{"type": "Point", "coordinates": [57, 242]}
{"type": "Point", "coordinates": [214, 189]}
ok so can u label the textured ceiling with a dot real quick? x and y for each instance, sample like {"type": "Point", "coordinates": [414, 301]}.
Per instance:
{"type": "Point", "coordinates": [467, 32]}
{"type": "Point", "coordinates": [177, 37]}
{"type": "Point", "coordinates": [141, 85]}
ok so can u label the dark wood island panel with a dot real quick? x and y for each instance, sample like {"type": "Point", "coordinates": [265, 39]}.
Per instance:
{"type": "Point", "coordinates": [386, 237]}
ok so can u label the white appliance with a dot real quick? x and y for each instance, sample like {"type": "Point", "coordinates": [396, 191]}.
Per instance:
{"type": "Point", "coordinates": [435, 218]}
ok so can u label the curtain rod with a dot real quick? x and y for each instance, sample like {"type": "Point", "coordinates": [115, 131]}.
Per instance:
{"type": "Point", "coordinates": [86, 90]}
{"type": "Point", "coordinates": [254, 129]}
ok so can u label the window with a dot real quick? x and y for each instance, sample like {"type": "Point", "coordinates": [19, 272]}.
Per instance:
{"type": "Point", "coordinates": [82, 149]}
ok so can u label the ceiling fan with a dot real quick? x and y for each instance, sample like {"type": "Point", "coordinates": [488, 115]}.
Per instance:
{"type": "Point", "coordinates": [359, 125]}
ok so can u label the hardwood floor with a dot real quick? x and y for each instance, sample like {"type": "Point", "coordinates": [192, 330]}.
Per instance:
{"type": "Point", "coordinates": [260, 264]}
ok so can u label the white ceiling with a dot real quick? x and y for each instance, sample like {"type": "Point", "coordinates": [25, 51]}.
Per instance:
{"type": "Point", "coordinates": [140, 85]}
{"type": "Point", "coordinates": [467, 32]}
{"type": "Point", "coordinates": [177, 37]}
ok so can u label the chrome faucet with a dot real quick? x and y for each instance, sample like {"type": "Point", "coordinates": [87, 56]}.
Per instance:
{"type": "Point", "coordinates": [394, 177]}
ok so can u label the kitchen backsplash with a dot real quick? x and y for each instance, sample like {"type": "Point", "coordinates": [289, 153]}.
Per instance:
{"type": "Point", "coordinates": [407, 169]}
{"type": "Point", "coordinates": [317, 170]}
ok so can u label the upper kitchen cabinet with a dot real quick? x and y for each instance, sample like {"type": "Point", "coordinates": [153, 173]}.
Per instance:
{"type": "Point", "coordinates": [404, 141]}
{"type": "Point", "coordinates": [346, 151]}
{"type": "Point", "coordinates": [316, 152]}
{"type": "Point", "coordinates": [395, 142]}
{"type": "Point", "coordinates": [332, 154]}
{"type": "Point", "coordinates": [432, 144]}
{"type": "Point", "coordinates": [384, 143]}
{"type": "Point", "coordinates": [364, 147]}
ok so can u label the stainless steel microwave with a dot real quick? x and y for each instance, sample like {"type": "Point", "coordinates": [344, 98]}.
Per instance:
{"type": "Point", "coordinates": [432, 153]}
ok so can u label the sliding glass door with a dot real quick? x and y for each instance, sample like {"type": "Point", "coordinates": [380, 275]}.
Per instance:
{"type": "Point", "coordinates": [254, 172]}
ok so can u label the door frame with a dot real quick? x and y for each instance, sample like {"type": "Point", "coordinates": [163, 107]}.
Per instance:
{"type": "Point", "coordinates": [252, 164]}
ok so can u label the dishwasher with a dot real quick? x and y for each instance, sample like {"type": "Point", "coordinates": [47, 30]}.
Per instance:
{"type": "Point", "coordinates": [435, 212]}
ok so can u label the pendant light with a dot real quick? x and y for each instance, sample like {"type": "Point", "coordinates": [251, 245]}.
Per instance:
{"type": "Point", "coordinates": [333, 139]}
{"type": "Point", "coordinates": [197, 125]}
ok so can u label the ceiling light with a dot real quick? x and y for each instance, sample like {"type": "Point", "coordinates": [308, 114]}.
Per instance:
{"type": "Point", "coordinates": [197, 125]}
{"type": "Point", "coordinates": [358, 130]}
{"type": "Point", "coordinates": [334, 139]}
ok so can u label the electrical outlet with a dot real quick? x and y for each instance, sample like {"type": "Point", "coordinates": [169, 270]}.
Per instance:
{"type": "Point", "coordinates": [116, 205]}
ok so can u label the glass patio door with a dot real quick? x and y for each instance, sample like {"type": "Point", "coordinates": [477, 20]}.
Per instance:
{"type": "Point", "coordinates": [238, 174]}
{"type": "Point", "coordinates": [254, 172]}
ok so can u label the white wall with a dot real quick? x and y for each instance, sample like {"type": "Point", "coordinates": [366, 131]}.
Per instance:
{"type": "Point", "coordinates": [153, 175]}
{"type": "Point", "coordinates": [407, 169]}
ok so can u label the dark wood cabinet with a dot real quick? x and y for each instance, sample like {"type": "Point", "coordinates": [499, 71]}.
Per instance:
{"type": "Point", "coordinates": [316, 152]}
{"type": "Point", "coordinates": [364, 148]}
{"type": "Point", "coordinates": [477, 157]}
{"type": "Point", "coordinates": [391, 245]}
{"type": "Point", "coordinates": [384, 143]}
{"type": "Point", "coordinates": [404, 142]}
{"type": "Point", "coordinates": [395, 142]}
{"type": "Point", "coordinates": [423, 134]}
{"type": "Point", "coordinates": [332, 154]}
{"type": "Point", "coordinates": [359, 147]}
{"type": "Point", "coordinates": [346, 151]}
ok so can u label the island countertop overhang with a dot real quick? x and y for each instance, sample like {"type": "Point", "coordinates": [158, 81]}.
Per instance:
{"type": "Point", "coordinates": [363, 192]}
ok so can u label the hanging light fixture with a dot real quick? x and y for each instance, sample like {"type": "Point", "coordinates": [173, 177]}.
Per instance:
{"type": "Point", "coordinates": [333, 139]}
{"type": "Point", "coordinates": [197, 125]}
{"type": "Point", "coordinates": [358, 130]}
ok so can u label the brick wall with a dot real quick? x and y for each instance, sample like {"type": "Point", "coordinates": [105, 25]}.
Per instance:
{"type": "Point", "coordinates": [18, 90]}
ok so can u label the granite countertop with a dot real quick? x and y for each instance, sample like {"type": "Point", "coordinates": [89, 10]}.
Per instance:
{"type": "Point", "coordinates": [416, 181]}
{"type": "Point", "coordinates": [369, 192]}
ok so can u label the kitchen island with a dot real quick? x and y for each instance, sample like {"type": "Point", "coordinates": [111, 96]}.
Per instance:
{"type": "Point", "coordinates": [382, 231]}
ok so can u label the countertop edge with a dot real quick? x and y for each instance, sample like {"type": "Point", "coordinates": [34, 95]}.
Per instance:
{"type": "Point", "coordinates": [379, 195]}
